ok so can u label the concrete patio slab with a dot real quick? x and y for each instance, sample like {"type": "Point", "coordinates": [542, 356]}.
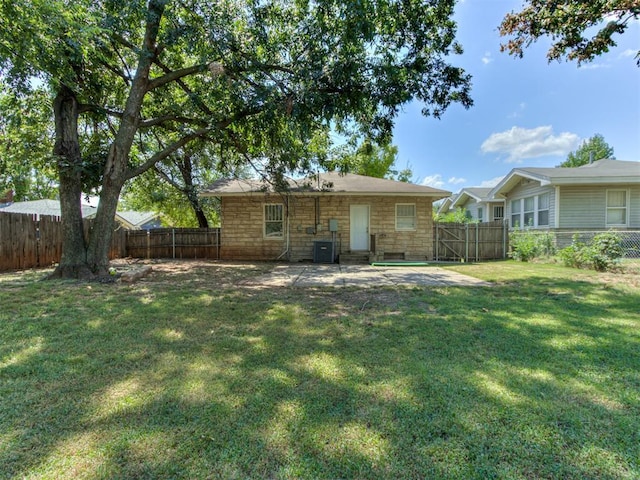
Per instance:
{"type": "Point", "coordinates": [364, 276]}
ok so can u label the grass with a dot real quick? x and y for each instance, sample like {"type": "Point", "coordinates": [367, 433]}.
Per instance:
{"type": "Point", "coordinates": [190, 374]}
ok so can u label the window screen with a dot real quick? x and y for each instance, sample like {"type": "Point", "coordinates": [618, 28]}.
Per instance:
{"type": "Point", "coordinates": [405, 216]}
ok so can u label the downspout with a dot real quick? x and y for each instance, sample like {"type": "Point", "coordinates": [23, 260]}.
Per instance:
{"type": "Point", "coordinates": [287, 230]}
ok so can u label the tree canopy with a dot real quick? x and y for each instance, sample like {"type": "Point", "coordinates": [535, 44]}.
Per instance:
{"type": "Point", "coordinates": [259, 80]}
{"type": "Point", "coordinates": [372, 160]}
{"type": "Point", "coordinates": [26, 142]}
{"type": "Point", "coordinates": [580, 30]}
{"type": "Point", "coordinates": [589, 151]}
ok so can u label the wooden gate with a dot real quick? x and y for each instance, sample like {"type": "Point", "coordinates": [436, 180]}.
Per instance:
{"type": "Point", "coordinates": [470, 242]}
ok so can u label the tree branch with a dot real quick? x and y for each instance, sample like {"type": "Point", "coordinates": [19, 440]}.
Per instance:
{"type": "Point", "coordinates": [168, 179]}
{"type": "Point", "coordinates": [88, 107]}
{"type": "Point", "coordinates": [152, 122]}
{"type": "Point", "coordinates": [161, 155]}
{"type": "Point", "coordinates": [175, 75]}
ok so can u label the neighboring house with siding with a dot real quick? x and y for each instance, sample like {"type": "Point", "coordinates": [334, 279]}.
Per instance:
{"type": "Point", "coordinates": [346, 213]}
{"type": "Point", "coordinates": [135, 220]}
{"type": "Point", "coordinates": [598, 196]}
{"type": "Point", "coordinates": [132, 220]}
{"type": "Point", "coordinates": [446, 206]}
{"type": "Point", "coordinates": [43, 207]}
{"type": "Point", "coordinates": [479, 205]}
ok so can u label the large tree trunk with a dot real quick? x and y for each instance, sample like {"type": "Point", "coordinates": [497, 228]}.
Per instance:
{"type": "Point", "coordinates": [73, 263]}
{"type": "Point", "coordinates": [82, 260]}
{"type": "Point", "coordinates": [186, 170]}
{"type": "Point", "coordinates": [115, 172]}
{"type": "Point", "coordinates": [103, 225]}
{"type": "Point", "coordinates": [202, 218]}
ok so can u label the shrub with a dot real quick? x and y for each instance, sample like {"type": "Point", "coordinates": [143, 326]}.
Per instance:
{"type": "Point", "coordinates": [602, 254]}
{"type": "Point", "coordinates": [527, 245]}
{"type": "Point", "coordinates": [573, 255]}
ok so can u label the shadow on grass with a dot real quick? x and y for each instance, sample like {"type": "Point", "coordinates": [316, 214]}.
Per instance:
{"type": "Point", "coordinates": [538, 378]}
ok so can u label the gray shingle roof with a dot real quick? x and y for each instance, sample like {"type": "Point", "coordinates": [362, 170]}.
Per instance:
{"type": "Point", "coordinates": [44, 207]}
{"type": "Point", "coordinates": [602, 172]}
{"type": "Point", "coordinates": [326, 183]}
{"type": "Point", "coordinates": [136, 218]}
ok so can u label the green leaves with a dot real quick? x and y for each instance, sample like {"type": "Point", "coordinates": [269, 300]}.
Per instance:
{"type": "Point", "coordinates": [589, 151]}
{"type": "Point", "coordinates": [569, 24]}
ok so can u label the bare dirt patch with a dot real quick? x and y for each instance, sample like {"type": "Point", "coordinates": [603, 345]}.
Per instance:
{"type": "Point", "coordinates": [197, 271]}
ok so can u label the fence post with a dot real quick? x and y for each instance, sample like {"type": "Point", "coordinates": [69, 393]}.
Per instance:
{"type": "Point", "coordinates": [504, 239]}
{"type": "Point", "coordinates": [466, 242]}
{"type": "Point", "coordinates": [173, 242]}
{"type": "Point", "coordinates": [148, 244]}
{"type": "Point", "coordinates": [437, 241]}
{"type": "Point", "coordinates": [477, 240]}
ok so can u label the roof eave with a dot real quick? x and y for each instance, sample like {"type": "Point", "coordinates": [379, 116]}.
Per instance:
{"type": "Point", "coordinates": [596, 181]}
{"type": "Point", "coordinates": [437, 195]}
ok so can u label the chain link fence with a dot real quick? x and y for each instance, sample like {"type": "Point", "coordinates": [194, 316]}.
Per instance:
{"type": "Point", "coordinates": [560, 239]}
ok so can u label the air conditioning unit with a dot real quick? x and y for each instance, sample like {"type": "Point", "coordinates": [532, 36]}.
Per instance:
{"type": "Point", "coordinates": [323, 251]}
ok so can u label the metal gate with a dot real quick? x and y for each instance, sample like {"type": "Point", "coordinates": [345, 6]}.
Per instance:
{"type": "Point", "coordinates": [470, 242]}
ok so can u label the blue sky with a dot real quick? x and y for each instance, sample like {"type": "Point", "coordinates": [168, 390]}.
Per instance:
{"type": "Point", "coordinates": [527, 112]}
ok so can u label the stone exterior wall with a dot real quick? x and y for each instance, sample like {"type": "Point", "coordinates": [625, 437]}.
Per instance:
{"type": "Point", "coordinates": [243, 237]}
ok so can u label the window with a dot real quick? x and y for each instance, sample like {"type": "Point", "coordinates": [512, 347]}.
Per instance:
{"type": "Point", "coordinates": [498, 212]}
{"type": "Point", "coordinates": [273, 220]}
{"type": "Point", "coordinates": [616, 207]}
{"type": "Point", "coordinates": [515, 213]}
{"type": "Point", "coordinates": [405, 216]}
{"type": "Point", "coordinates": [528, 212]}
{"type": "Point", "coordinates": [480, 212]}
{"type": "Point", "coordinates": [543, 210]}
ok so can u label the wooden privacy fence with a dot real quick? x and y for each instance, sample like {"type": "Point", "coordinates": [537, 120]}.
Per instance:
{"type": "Point", "coordinates": [174, 243]}
{"type": "Point", "coordinates": [29, 241]}
{"type": "Point", "coordinates": [470, 241]}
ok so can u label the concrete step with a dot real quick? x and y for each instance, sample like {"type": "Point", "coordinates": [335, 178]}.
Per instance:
{"type": "Point", "coordinates": [353, 258]}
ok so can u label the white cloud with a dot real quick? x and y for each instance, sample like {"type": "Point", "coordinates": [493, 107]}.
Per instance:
{"type": "Point", "coordinates": [594, 66]}
{"type": "Point", "coordinates": [520, 143]}
{"type": "Point", "coordinates": [456, 180]}
{"type": "Point", "coordinates": [491, 183]}
{"type": "Point", "coordinates": [486, 59]}
{"type": "Point", "coordinates": [434, 181]}
{"type": "Point", "coordinates": [629, 52]}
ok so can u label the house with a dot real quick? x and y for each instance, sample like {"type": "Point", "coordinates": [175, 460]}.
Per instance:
{"type": "Point", "coordinates": [134, 220]}
{"type": "Point", "coordinates": [326, 216]}
{"type": "Point", "coordinates": [131, 220]}
{"type": "Point", "coordinates": [446, 206]}
{"type": "Point", "coordinates": [601, 195]}
{"type": "Point", "coordinates": [479, 204]}
{"type": "Point", "coordinates": [43, 207]}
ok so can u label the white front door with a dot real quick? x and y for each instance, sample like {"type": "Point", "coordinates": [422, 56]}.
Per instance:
{"type": "Point", "coordinates": [359, 226]}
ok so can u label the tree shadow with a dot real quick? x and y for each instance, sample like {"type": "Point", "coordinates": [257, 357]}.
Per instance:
{"type": "Point", "coordinates": [536, 378]}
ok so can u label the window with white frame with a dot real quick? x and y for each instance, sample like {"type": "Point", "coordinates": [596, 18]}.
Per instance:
{"type": "Point", "coordinates": [273, 220]}
{"type": "Point", "coordinates": [529, 209]}
{"type": "Point", "coordinates": [515, 213]}
{"type": "Point", "coordinates": [498, 212]}
{"type": "Point", "coordinates": [616, 207]}
{"type": "Point", "coordinates": [480, 212]}
{"type": "Point", "coordinates": [405, 216]}
{"type": "Point", "coordinates": [543, 210]}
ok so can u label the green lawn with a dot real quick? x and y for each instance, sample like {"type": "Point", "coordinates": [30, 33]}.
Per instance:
{"type": "Point", "coordinates": [189, 374]}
